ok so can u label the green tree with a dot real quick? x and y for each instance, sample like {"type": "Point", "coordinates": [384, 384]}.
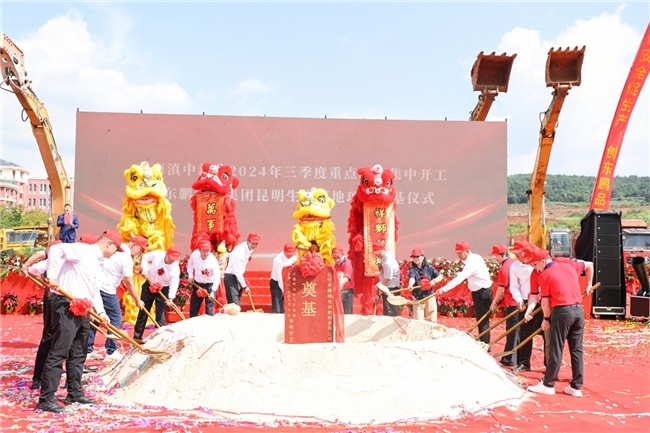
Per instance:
{"type": "Point", "coordinates": [34, 218]}
{"type": "Point", "coordinates": [10, 216]}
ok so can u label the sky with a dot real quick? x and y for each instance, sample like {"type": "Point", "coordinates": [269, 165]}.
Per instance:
{"type": "Point", "coordinates": [356, 60]}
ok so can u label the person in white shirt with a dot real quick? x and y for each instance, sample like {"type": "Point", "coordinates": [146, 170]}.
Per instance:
{"type": "Point", "coordinates": [286, 258]}
{"type": "Point", "coordinates": [520, 289]}
{"type": "Point", "coordinates": [36, 265]}
{"type": "Point", "coordinates": [234, 276]}
{"type": "Point", "coordinates": [389, 275]}
{"type": "Point", "coordinates": [477, 274]}
{"type": "Point", "coordinates": [203, 272]}
{"type": "Point", "coordinates": [72, 268]}
{"type": "Point", "coordinates": [159, 268]}
{"type": "Point", "coordinates": [118, 269]}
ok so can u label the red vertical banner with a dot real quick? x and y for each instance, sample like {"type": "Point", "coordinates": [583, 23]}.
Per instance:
{"type": "Point", "coordinates": [378, 226]}
{"type": "Point", "coordinates": [312, 307]}
{"type": "Point", "coordinates": [633, 85]}
{"type": "Point", "coordinates": [209, 212]}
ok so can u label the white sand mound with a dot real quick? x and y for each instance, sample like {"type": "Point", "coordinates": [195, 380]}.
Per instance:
{"type": "Point", "coordinates": [388, 370]}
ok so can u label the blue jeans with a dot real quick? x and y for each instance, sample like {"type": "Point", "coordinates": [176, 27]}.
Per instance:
{"type": "Point", "coordinates": [114, 313]}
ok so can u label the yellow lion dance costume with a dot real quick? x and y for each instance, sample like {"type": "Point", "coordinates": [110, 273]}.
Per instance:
{"type": "Point", "coordinates": [146, 212]}
{"type": "Point", "coordinates": [315, 228]}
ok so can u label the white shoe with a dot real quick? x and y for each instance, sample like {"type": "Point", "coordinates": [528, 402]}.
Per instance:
{"type": "Point", "coordinates": [115, 356]}
{"type": "Point", "coordinates": [572, 391]}
{"type": "Point", "coordinates": [540, 388]}
{"type": "Point", "coordinates": [95, 355]}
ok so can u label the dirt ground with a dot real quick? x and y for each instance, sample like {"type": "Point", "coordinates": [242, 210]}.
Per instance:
{"type": "Point", "coordinates": [518, 213]}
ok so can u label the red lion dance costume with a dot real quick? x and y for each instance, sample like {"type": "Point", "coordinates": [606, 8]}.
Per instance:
{"type": "Point", "coordinates": [372, 219]}
{"type": "Point", "coordinates": [214, 208]}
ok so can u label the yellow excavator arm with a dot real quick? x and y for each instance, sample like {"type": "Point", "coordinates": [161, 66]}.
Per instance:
{"type": "Point", "coordinates": [15, 79]}
{"type": "Point", "coordinates": [563, 71]}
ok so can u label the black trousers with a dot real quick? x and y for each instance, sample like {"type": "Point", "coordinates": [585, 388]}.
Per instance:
{"type": "Point", "coordinates": [46, 339]}
{"type": "Point", "coordinates": [277, 297]}
{"type": "Point", "coordinates": [482, 300]}
{"type": "Point", "coordinates": [148, 299]}
{"type": "Point", "coordinates": [525, 352]}
{"type": "Point", "coordinates": [196, 300]}
{"type": "Point", "coordinates": [567, 325]}
{"type": "Point", "coordinates": [347, 298]}
{"type": "Point", "coordinates": [512, 339]}
{"type": "Point", "coordinates": [389, 309]}
{"type": "Point", "coordinates": [233, 289]}
{"type": "Point", "coordinates": [69, 338]}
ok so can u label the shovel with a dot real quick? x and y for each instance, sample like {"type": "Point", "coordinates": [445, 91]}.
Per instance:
{"type": "Point", "coordinates": [497, 324]}
{"type": "Point", "coordinates": [518, 346]}
{"type": "Point", "coordinates": [478, 322]}
{"type": "Point", "coordinates": [123, 335]}
{"type": "Point", "coordinates": [174, 307]}
{"type": "Point", "coordinates": [400, 300]}
{"type": "Point", "coordinates": [254, 310]}
{"type": "Point", "coordinates": [101, 331]}
{"type": "Point", "coordinates": [153, 319]}
{"type": "Point", "coordinates": [510, 352]}
{"type": "Point", "coordinates": [382, 288]}
{"type": "Point", "coordinates": [210, 296]}
{"type": "Point", "coordinates": [230, 309]}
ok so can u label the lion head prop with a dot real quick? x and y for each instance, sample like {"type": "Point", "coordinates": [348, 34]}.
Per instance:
{"type": "Point", "coordinates": [146, 210]}
{"type": "Point", "coordinates": [372, 217]}
{"type": "Point", "coordinates": [315, 229]}
{"type": "Point", "coordinates": [213, 207]}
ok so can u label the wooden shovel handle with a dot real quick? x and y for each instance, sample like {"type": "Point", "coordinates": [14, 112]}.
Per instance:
{"type": "Point", "coordinates": [123, 335]}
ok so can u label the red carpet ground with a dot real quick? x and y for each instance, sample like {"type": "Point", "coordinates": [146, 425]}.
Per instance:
{"type": "Point", "coordinates": [616, 393]}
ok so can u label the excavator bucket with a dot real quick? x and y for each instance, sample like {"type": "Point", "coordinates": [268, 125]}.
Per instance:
{"type": "Point", "coordinates": [564, 67]}
{"type": "Point", "coordinates": [492, 72]}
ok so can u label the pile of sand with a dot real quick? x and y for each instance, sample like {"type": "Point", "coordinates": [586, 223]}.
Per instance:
{"type": "Point", "coordinates": [388, 370]}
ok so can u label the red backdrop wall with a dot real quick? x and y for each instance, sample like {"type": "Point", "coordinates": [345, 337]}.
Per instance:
{"type": "Point", "coordinates": [451, 176]}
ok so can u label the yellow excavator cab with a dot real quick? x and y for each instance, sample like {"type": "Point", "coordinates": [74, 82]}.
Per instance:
{"type": "Point", "coordinates": [564, 67]}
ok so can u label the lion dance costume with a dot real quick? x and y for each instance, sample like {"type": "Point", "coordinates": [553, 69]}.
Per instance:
{"type": "Point", "coordinates": [372, 219]}
{"type": "Point", "coordinates": [314, 229]}
{"type": "Point", "coordinates": [146, 212]}
{"type": "Point", "coordinates": [213, 207]}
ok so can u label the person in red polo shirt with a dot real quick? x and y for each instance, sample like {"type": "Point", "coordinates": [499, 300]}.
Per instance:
{"type": "Point", "coordinates": [563, 316]}
{"type": "Point", "coordinates": [504, 297]}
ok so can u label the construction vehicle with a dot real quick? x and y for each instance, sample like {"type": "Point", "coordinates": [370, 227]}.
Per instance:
{"type": "Point", "coordinates": [560, 242]}
{"type": "Point", "coordinates": [635, 236]}
{"type": "Point", "coordinates": [490, 75]}
{"type": "Point", "coordinates": [563, 72]}
{"type": "Point", "coordinates": [23, 237]}
{"type": "Point", "coordinates": [15, 80]}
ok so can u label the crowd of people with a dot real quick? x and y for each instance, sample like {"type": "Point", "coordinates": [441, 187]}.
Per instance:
{"type": "Point", "coordinates": [94, 267]}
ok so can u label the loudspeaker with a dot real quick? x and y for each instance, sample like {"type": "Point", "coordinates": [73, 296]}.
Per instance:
{"type": "Point", "coordinates": [600, 242]}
